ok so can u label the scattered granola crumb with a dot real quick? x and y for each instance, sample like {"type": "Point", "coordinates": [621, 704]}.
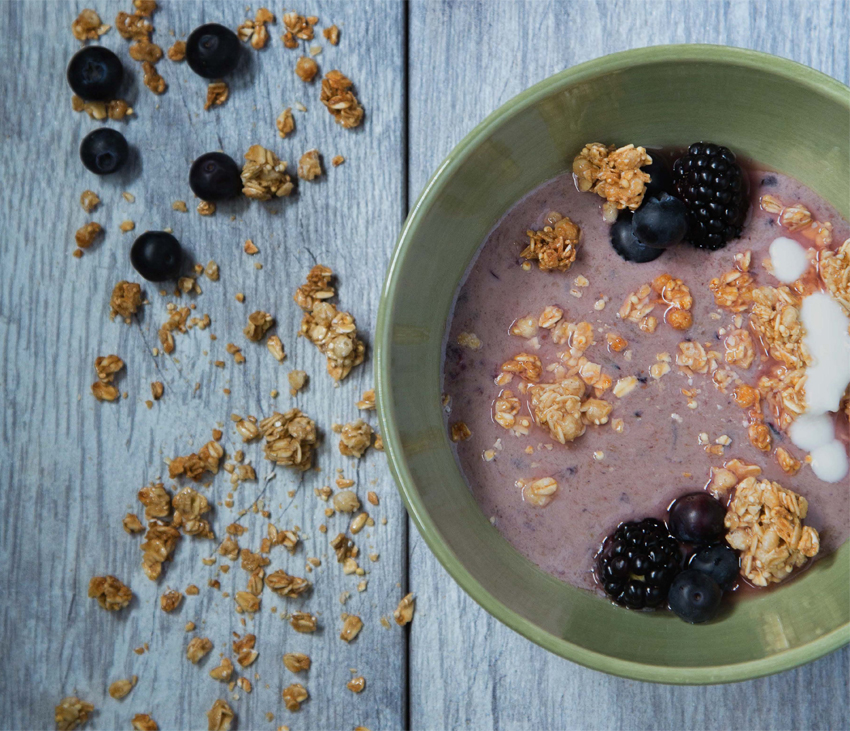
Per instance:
{"type": "Point", "coordinates": [121, 688]}
{"type": "Point", "coordinates": [170, 600]}
{"type": "Point", "coordinates": [110, 592]}
{"type": "Point", "coordinates": [285, 123]}
{"type": "Point", "coordinates": [88, 234]}
{"type": "Point", "coordinates": [337, 160]}
{"type": "Point", "coordinates": [283, 584]}
{"type": "Point", "coordinates": [356, 685]}
{"type": "Point", "coordinates": [296, 662]}
{"type": "Point", "coordinates": [294, 695]}
{"type": "Point", "coordinates": [340, 101]}
{"type": "Point", "coordinates": [303, 622]}
{"type": "Point", "coordinates": [306, 69]}
{"type": "Point", "coordinates": [351, 626]}
{"type": "Point", "coordinates": [367, 401]}
{"type": "Point", "coordinates": [72, 712]}
{"type": "Point", "coordinates": [152, 79]}
{"type": "Point", "coordinates": [259, 323]}
{"type": "Point", "coordinates": [132, 524]}
{"type": "Point", "coordinates": [89, 200]}
{"type": "Point", "coordinates": [220, 716]}
{"type": "Point", "coordinates": [403, 613]}
{"type": "Point", "coordinates": [179, 206]}
{"type": "Point", "coordinates": [217, 93]}
{"type": "Point", "coordinates": [332, 34]}
{"type": "Point", "coordinates": [460, 431]}
{"type": "Point", "coordinates": [126, 226]}
{"type": "Point", "coordinates": [310, 165]}
{"type": "Point", "coordinates": [143, 722]}
{"type": "Point", "coordinates": [297, 380]}
{"type": "Point", "coordinates": [223, 672]}
{"type": "Point", "coordinates": [177, 52]}
{"type": "Point", "coordinates": [197, 648]}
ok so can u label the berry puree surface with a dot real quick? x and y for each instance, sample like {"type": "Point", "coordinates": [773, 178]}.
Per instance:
{"type": "Point", "coordinates": [607, 476]}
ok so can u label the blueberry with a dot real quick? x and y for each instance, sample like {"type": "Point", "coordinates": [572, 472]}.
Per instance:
{"type": "Point", "coordinates": [720, 562]}
{"type": "Point", "coordinates": [104, 150]}
{"type": "Point", "coordinates": [215, 177]}
{"type": "Point", "coordinates": [694, 596]}
{"type": "Point", "coordinates": [697, 518]}
{"type": "Point", "coordinates": [626, 245]}
{"type": "Point", "coordinates": [661, 222]}
{"type": "Point", "coordinates": [660, 176]}
{"type": "Point", "coordinates": [212, 51]}
{"type": "Point", "coordinates": [157, 256]}
{"type": "Point", "coordinates": [95, 73]}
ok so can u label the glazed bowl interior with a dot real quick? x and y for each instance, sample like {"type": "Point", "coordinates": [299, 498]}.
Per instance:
{"type": "Point", "coordinates": [787, 117]}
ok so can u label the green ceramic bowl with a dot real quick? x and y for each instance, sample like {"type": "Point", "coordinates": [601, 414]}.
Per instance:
{"type": "Point", "coordinates": [784, 115]}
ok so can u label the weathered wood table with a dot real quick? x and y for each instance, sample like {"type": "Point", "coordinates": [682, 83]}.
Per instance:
{"type": "Point", "coordinates": [426, 73]}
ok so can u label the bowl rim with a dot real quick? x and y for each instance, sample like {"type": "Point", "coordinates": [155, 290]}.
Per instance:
{"type": "Point", "coordinates": [729, 55]}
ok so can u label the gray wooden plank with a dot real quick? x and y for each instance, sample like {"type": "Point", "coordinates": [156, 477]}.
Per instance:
{"type": "Point", "coordinates": [71, 467]}
{"type": "Point", "coordinates": [466, 669]}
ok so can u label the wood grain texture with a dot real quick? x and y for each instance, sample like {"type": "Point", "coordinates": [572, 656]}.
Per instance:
{"type": "Point", "coordinates": [466, 669]}
{"type": "Point", "coordinates": [71, 466]}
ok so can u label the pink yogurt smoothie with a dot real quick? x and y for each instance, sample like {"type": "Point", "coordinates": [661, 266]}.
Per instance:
{"type": "Point", "coordinates": [637, 473]}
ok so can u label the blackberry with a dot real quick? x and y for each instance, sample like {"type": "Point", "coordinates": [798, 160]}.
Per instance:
{"type": "Point", "coordinates": [638, 562]}
{"type": "Point", "coordinates": [714, 188]}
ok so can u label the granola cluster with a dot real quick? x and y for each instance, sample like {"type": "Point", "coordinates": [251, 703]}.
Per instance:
{"type": "Point", "coordinates": [564, 409]}
{"type": "Point", "coordinates": [333, 332]}
{"type": "Point", "coordinates": [194, 465]}
{"type": "Point", "coordinates": [290, 439]}
{"type": "Point", "coordinates": [258, 325]}
{"type": "Point", "coordinates": [613, 174]}
{"type": "Point", "coordinates": [554, 247]}
{"type": "Point", "coordinates": [298, 28]}
{"type": "Point", "coordinates": [264, 175]}
{"type": "Point", "coordinates": [254, 31]}
{"type": "Point", "coordinates": [111, 593]}
{"type": "Point", "coordinates": [340, 101]}
{"type": "Point", "coordinates": [733, 290]}
{"type": "Point", "coordinates": [355, 438]}
{"type": "Point", "coordinates": [775, 317]}
{"type": "Point", "coordinates": [125, 301]}
{"type": "Point", "coordinates": [797, 218]}
{"type": "Point", "coordinates": [835, 273]}
{"type": "Point", "coordinates": [72, 712]}
{"type": "Point", "coordinates": [88, 26]}
{"type": "Point", "coordinates": [665, 290]}
{"type": "Point", "coordinates": [116, 109]}
{"type": "Point", "coordinates": [765, 523]}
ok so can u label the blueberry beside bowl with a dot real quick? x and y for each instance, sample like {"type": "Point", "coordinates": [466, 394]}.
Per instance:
{"type": "Point", "coordinates": [728, 95]}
